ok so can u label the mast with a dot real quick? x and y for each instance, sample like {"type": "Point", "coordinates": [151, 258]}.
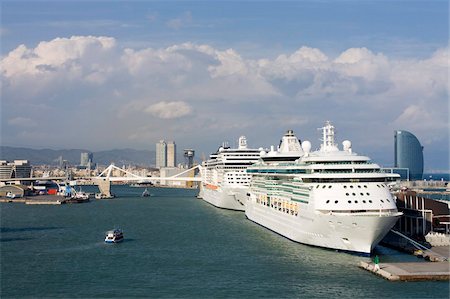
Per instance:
{"type": "Point", "coordinates": [328, 143]}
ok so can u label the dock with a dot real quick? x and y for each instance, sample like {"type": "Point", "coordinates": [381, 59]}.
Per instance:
{"type": "Point", "coordinates": [414, 271]}
{"type": "Point", "coordinates": [42, 200]}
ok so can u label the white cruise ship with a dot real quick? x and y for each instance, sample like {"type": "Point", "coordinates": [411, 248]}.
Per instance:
{"type": "Point", "coordinates": [224, 179]}
{"type": "Point", "coordinates": [329, 198]}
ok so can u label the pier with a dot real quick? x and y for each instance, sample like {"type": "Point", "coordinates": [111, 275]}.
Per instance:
{"type": "Point", "coordinates": [414, 271]}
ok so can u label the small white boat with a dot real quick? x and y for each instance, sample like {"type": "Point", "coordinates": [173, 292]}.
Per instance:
{"type": "Point", "coordinates": [114, 236]}
{"type": "Point", "coordinates": [103, 196]}
{"type": "Point", "coordinates": [145, 193]}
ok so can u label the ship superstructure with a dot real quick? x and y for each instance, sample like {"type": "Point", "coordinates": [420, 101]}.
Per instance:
{"type": "Point", "coordinates": [225, 180]}
{"type": "Point", "coordinates": [330, 197]}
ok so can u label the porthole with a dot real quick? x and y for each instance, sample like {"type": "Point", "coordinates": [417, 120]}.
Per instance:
{"type": "Point", "coordinates": [353, 194]}
{"type": "Point", "coordinates": [362, 194]}
{"type": "Point", "coordinates": [317, 186]}
{"type": "Point", "coordinates": [356, 201]}
{"type": "Point", "coordinates": [388, 200]}
{"type": "Point", "coordinates": [349, 201]}
{"type": "Point", "coordinates": [347, 194]}
{"type": "Point", "coordinates": [364, 201]}
{"type": "Point", "coordinates": [370, 200]}
{"type": "Point", "coordinates": [359, 186]}
{"type": "Point", "coordinates": [365, 186]}
{"type": "Point", "coordinates": [368, 194]}
{"type": "Point", "coordinates": [351, 186]}
{"type": "Point", "coordinates": [336, 201]}
{"type": "Point", "coordinates": [329, 186]}
{"type": "Point", "coordinates": [328, 201]}
{"type": "Point", "coordinates": [382, 200]}
{"type": "Point", "coordinates": [345, 186]}
{"type": "Point", "coordinates": [323, 186]}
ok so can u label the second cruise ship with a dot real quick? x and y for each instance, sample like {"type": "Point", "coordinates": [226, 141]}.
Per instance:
{"type": "Point", "coordinates": [225, 181]}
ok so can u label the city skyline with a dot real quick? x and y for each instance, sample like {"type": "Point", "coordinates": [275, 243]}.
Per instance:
{"type": "Point", "coordinates": [128, 74]}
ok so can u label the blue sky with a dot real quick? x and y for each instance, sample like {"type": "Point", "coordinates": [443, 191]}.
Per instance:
{"type": "Point", "coordinates": [115, 74]}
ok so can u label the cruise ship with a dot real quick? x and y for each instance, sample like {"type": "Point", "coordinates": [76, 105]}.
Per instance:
{"type": "Point", "coordinates": [331, 197]}
{"type": "Point", "coordinates": [225, 181]}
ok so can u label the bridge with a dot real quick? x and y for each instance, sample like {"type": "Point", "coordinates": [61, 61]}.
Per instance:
{"type": "Point", "coordinates": [104, 179]}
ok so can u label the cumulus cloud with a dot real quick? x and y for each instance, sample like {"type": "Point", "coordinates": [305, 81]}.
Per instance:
{"type": "Point", "coordinates": [169, 110]}
{"type": "Point", "coordinates": [95, 78]}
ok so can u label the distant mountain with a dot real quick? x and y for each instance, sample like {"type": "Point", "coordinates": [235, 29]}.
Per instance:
{"type": "Point", "coordinates": [50, 157]}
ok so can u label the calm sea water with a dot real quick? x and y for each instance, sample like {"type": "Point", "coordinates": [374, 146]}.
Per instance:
{"type": "Point", "coordinates": [175, 246]}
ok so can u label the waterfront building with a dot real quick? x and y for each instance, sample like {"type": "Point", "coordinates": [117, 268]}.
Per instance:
{"type": "Point", "coordinates": [421, 215]}
{"type": "Point", "coordinates": [161, 154]}
{"type": "Point", "coordinates": [15, 169]}
{"type": "Point", "coordinates": [408, 154]}
{"type": "Point", "coordinates": [6, 170]}
{"type": "Point", "coordinates": [171, 154]}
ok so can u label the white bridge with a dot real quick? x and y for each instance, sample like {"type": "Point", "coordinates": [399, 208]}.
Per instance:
{"type": "Point", "coordinates": [104, 179]}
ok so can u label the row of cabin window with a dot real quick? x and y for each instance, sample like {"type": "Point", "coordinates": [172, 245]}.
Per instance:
{"type": "Point", "coordinates": [351, 186]}
{"type": "Point", "coordinates": [364, 201]}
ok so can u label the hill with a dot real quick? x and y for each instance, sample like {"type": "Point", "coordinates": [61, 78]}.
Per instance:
{"type": "Point", "coordinates": [50, 156]}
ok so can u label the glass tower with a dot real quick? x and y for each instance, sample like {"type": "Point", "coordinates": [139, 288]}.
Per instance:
{"type": "Point", "coordinates": [409, 154]}
{"type": "Point", "coordinates": [161, 154]}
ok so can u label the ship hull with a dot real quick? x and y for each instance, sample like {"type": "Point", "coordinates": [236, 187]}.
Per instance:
{"type": "Point", "coordinates": [354, 233]}
{"type": "Point", "coordinates": [225, 198]}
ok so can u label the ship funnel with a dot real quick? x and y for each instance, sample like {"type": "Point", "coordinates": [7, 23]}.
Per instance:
{"type": "Point", "coordinates": [289, 144]}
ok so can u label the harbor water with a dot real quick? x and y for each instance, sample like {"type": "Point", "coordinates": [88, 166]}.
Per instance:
{"type": "Point", "coordinates": [176, 246]}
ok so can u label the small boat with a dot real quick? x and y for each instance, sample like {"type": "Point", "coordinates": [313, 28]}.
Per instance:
{"type": "Point", "coordinates": [114, 236]}
{"type": "Point", "coordinates": [12, 195]}
{"type": "Point", "coordinates": [145, 193]}
{"type": "Point", "coordinates": [103, 196]}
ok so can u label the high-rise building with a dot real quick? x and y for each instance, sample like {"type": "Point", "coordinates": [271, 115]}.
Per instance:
{"type": "Point", "coordinates": [409, 154]}
{"type": "Point", "coordinates": [86, 160]}
{"type": "Point", "coordinates": [161, 154]}
{"type": "Point", "coordinates": [171, 154]}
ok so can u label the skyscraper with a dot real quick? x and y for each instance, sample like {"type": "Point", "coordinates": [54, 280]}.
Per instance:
{"type": "Point", "coordinates": [171, 154]}
{"type": "Point", "coordinates": [409, 154]}
{"type": "Point", "coordinates": [86, 159]}
{"type": "Point", "coordinates": [161, 154]}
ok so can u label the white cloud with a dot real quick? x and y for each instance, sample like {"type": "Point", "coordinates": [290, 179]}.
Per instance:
{"type": "Point", "coordinates": [169, 110]}
{"type": "Point", "coordinates": [94, 78]}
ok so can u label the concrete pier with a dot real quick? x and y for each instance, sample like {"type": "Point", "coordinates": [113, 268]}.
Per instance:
{"type": "Point", "coordinates": [41, 200]}
{"type": "Point", "coordinates": [414, 271]}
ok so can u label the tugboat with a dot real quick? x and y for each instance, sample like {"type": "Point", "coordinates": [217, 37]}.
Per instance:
{"type": "Point", "coordinates": [114, 236]}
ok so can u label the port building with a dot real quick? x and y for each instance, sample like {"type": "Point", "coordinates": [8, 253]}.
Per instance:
{"type": "Point", "coordinates": [15, 169]}
{"type": "Point", "coordinates": [408, 154]}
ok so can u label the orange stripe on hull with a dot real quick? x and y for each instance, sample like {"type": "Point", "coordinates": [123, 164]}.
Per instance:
{"type": "Point", "coordinates": [212, 187]}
